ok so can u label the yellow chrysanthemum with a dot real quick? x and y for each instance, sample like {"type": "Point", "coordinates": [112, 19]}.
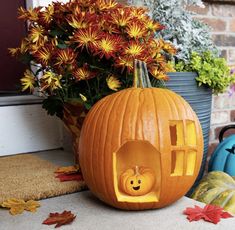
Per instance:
{"type": "Point", "coordinates": [83, 73]}
{"type": "Point", "coordinates": [136, 30]}
{"type": "Point", "coordinates": [28, 81]}
{"type": "Point", "coordinates": [86, 38]}
{"type": "Point", "coordinates": [36, 33]}
{"type": "Point", "coordinates": [50, 80]}
{"type": "Point", "coordinates": [106, 4]}
{"type": "Point", "coordinates": [134, 49]}
{"type": "Point", "coordinates": [45, 17]}
{"type": "Point", "coordinates": [113, 83]}
{"type": "Point", "coordinates": [65, 57]}
{"type": "Point", "coordinates": [124, 62]}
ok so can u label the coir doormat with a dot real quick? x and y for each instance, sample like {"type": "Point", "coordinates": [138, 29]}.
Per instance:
{"type": "Point", "coordinates": [30, 177]}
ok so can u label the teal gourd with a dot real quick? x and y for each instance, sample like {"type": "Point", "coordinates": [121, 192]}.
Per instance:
{"type": "Point", "coordinates": [223, 158]}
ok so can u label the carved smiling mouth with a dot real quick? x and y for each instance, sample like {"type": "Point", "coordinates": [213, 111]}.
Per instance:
{"type": "Point", "coordinates": [136, 188]}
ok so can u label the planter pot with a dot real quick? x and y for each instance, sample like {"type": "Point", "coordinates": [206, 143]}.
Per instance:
{"type": "Point", "coordinates": [73, 117]}
{"type": "Point", "coordinates": [200, 99]}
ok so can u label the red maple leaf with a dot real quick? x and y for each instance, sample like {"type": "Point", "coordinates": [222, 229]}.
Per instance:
{"type": "Point", "coordinates": [210, 213]}
{"type": "Point", "coordinates": [59, 219]}
{"type": "Point", "coordinates": [69, 177]}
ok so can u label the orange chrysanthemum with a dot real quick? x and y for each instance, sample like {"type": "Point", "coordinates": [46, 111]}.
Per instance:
{"type": "Point", "coordinates": [124, 62]}
{"type": "Point", "coordinates": [106, 4]}
{"type": "Point", "coordinates": [138, 13]}
{"type": "Point", "coordinates": [45, 17]}
{"type": "Point", "coordinates": [83, 73]}
{"type": "Point", "coordinates": [86, 38]}
{"type": "Point", "coordinates": [151, 25]}
{"type": "Point", "coordinates": [168, 47]}
{"type": "Point", "coordinates": [134, 49]}
{"type": "Point", "coordinates": [158, 73]}
{"type": "Point", "coordinates": [65, 57]}
{"type": "Point", "coordinates": [108, 46]}
{"type": "Point", "coordinates": [30, 14]}
{"type": "Point", "coordinates": [36, 34]}
{"type": "Point", "coordinates": [44, 54]}
{"type": "Point", "coordinates": [136, 30]}
{"type": "Point", "coordinates": [121, 17]}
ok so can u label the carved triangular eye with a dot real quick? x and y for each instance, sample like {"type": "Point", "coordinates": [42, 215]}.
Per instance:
{"type": "Point", "coordinates": [232, 150]}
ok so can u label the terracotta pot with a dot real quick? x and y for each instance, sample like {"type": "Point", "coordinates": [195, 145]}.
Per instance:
{"type": "Point", "coordinates": [73, 116]}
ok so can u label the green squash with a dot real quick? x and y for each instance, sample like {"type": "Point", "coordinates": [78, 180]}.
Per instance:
{"type": "Point", "coordinates": [217, 188]}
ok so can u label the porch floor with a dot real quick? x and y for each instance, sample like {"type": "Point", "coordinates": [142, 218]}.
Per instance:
{"type": "Point", "coordinates": [92, 214]}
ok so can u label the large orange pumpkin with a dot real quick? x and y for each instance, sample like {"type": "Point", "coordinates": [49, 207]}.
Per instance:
{"type": "Point", "coordinates": [151, 128]}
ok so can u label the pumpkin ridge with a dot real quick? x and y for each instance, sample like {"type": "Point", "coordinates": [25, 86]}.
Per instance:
{"type": "Point", "coordinates": [101, 159]}
{"type": "Point", "coordinates": [116, 101]}
{"type": "Point", "coordinates": [96, 118]}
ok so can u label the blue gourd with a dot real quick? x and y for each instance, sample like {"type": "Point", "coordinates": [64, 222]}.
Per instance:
{"type": "Point", "coordinates": [223, 158]}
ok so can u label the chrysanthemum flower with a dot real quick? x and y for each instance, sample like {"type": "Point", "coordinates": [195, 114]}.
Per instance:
{"type": "Point", "coordinates": [168, 47]}
{"type": "Point", "coordinates": [44, 54]}
{"type": "Point", "coordinates": [28, 81]}
{"type": "Point", "coordinates": [20, 50]}
{"type": "Point", "coordinates": [106, 4]}
{"type": "Point", "coordinates": [121, 17]}
{"type": "Point", "coordinates": [50, 80]}
{"type": "Point", "coordinates": [36, 33]}
{"type": "Point", "coordinates": [108, 46]}
{"type": "Point", "coordinates": [151, 25]}
{"type": "Point", "coordinates": [83, 73]}
{"type": "Point", "coordinates": [138, 13]}
{"type": "Point", "coordinates": [134, 49]}
{"type": "Point", "coordinates": [157, 73]}
{"type": "Point", "coordinates": [30, 14]}
{"type": "Point", "coordinates": [45, 17]}
{"type": "Point", "coordinates": [124, 62]}
{"type": "Point", "coordinates": [136, 30]}
{"type": "Point", "coordinates": [65, 57]}
{"type": "Point", "coordinates": [113, 83]}
{"type": "Point", "coordinates": [86, 38]}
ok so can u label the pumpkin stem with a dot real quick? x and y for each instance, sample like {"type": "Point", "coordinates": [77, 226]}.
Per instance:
{"type": "Point", "coordinates": [141, 77]}
{"type": "Point", "coordinates": [137, 170]}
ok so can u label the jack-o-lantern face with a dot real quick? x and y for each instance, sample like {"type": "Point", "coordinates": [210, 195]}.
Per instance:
{"type": "Point", "coordinates": [138, 181]}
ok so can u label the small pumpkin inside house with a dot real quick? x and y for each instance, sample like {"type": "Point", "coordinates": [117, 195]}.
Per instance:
{"type": "Point", "coordinates": [140, 148]}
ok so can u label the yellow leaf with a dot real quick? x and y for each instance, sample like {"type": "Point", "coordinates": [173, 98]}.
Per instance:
{"type": "Point", "coordinates": [17, 206]}
{"type": "Point", "coordinates": [68, 169]}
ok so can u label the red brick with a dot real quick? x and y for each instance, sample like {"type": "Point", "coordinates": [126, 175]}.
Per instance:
{"type": "Point", "coordinates": [220, 117]}
{"type": "Point", "coordinates": [232, 115]}
{"type": "Point", "coordinates": [226, 134]}
{"type": "Point", "coordinates": [217, 25]}
{"type": "Point", "coordinates": [232, 25]}
{"type": "Point", "coordinates": [224, 40]}
{"type": "Point", "coordinates": [231, 56]}
{"type": "Point", "coordinates": [221, 101]}
{"type": "Point", "coordinates": [199, 10]}
{"type": "Point", "coordinates": [223, 10]}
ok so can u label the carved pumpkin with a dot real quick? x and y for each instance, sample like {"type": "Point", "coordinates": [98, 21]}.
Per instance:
{"type": "Point", "coordinates": [137, 181]}
{"type": "Point", "coordinates": [143, 126]}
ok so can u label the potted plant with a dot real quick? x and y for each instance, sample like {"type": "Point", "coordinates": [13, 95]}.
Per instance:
{"type": "Point", "coordinates": [197, 61]}
{"type": "Point", "coordinates": [81, 51]}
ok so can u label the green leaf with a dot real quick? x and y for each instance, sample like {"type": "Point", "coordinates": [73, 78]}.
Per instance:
{"type": "Point", "coordinates": [54, 106]}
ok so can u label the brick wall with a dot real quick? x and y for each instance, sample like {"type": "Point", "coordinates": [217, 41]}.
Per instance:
{"type": "Point", "coordinates": [221, 18]}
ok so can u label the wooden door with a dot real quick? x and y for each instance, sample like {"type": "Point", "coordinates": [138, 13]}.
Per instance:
{"type": "Point", "coordinates": [12, 31]}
